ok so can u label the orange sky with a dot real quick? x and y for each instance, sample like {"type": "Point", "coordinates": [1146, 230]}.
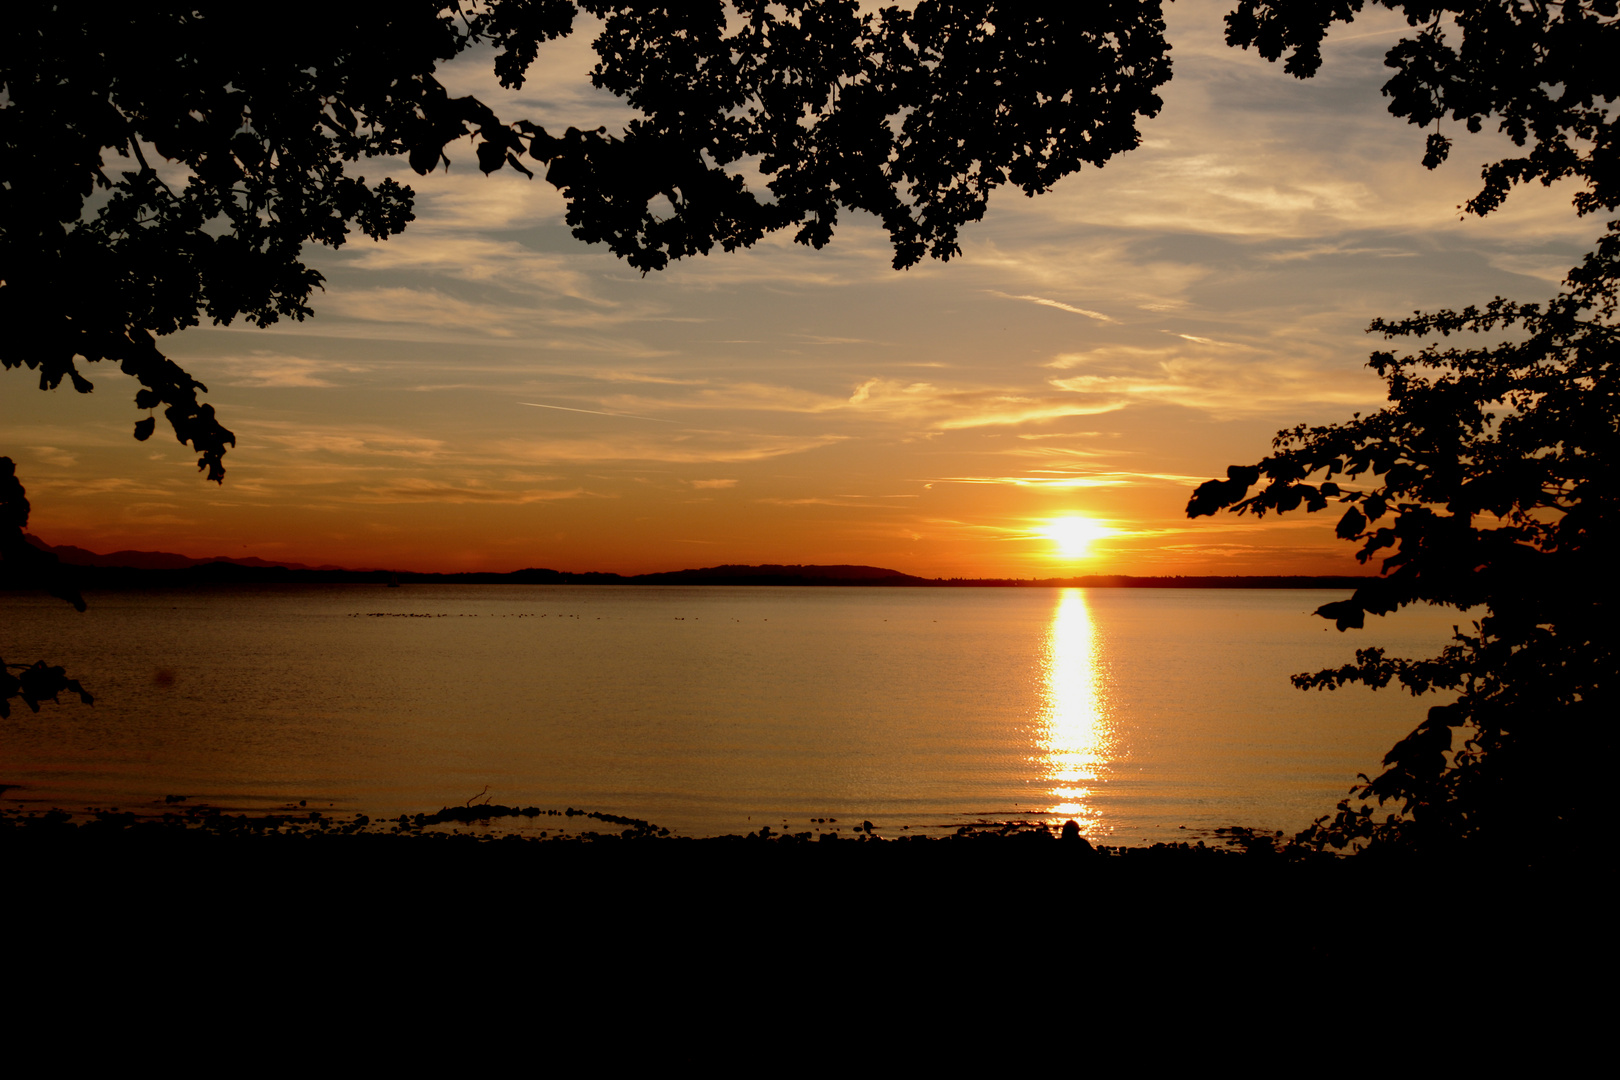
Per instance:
{"type": "Point", "coordinates": [485, 392]}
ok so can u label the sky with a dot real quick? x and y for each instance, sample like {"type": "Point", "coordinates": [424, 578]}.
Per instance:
{"type": "Point", "coordinates": [485, 392]}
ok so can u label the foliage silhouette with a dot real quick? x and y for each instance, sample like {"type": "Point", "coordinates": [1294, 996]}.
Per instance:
{"type": "Point", "coordinates": [1544, 72]}
{"type": "Point", "coordinates": [913, 116]}
{"type": "Point", "coordinates": [1489, 483]}
{"type": "Point", "coordinates": [160, 165]}
{"type": "Point", "coordinates": [1494, 467]}
{"type": "Point", "coordinates": [1490, 479]}
{"type": "Point", "coordinates": [27, 565]}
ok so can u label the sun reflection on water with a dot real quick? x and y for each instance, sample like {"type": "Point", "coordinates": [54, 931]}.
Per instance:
{"type": "Point", "coordinates": [1076, 737]}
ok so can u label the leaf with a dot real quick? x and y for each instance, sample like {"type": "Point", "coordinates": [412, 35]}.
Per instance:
{"type": "Point", "coordinates": [1346, 614]}
{"type": "Point", "coordinates": [144, 428]}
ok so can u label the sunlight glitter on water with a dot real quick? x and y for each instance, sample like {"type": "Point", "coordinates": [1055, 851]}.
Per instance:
{"type": "Point", "coordinates": [1144, 714]}
{"type": "Point", "coordinates": [1076, 725]}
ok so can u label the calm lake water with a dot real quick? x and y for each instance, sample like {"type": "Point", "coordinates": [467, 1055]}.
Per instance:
{"type": "Point", "coordinates": [1145, 714]}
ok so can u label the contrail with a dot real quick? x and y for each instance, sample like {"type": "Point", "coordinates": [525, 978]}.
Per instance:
{"type": "Point", "coordinates": [594, 412]}
{"type": "Point", "coordinates": [1099, 316]}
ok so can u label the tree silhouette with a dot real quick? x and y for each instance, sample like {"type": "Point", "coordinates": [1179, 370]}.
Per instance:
{"type": "Point", "coordinates": [163, 164]}
{"type": "Point", "coordinates": [1490, 479]}
{"type": "Point", "coordinates": [27, 565]}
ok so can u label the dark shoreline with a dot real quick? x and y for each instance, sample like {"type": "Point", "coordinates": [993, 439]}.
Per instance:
{"type": "Point", "coordinates": [493, 823]}
{"type": "Point", "coordinates": [991, 911]}
{"type": "Point", "coordinates": [490, 825]}
{"type": "Point", "coordinates": [157, 569]}
{"type": "Point", "coordinates": [228, 573]}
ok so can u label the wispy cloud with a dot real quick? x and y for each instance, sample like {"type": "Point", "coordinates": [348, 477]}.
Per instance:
{"type": "Point", "coordinates": [1055, 481]}
{"type": "Point", "coordinates": [444, 314]}
{"type": "Point", "coordinates": [51, 455]}
{"type": "Point", "coordinates": [270, 370]}
{"type": "Point", "coordinates": [357, 443]}
{"type": "Point", "coordinates": [685, 448]}
{"type": "Point", "coordinates": [430, 491]}
{"type": "Point", "coordinates": [955, 408]}
{"type": "Point", "coordinates": [1097, 315]}
{"type": "Point", "coordinates": [595, 412]}
{"type": "Point", "coordinates": [456, 253]}
{"type": "Point", "coordinates": [851, 502]}
{"type": "Point", "coordinates": [908, 404]}
{"type": "Point", "coordinates": [1077, 477]}
{"type": "Point", "coordinates": [1237, 380]}
{"type": "Point", "coordinates": [642, 377]}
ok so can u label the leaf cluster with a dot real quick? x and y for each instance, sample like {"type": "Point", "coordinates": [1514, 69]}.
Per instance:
{"type": "Point", "coordinates": [35, 683]}
{"type": "Point", "coordinates": [1489, 482]}
{"type": "Point", "coordinates": [1543, 72]}
{"type": "Point", "coordinates": [913, 116]}
{"type": "Point", "coordinates": [162, 164]}
{"type": "Point", "coordinates": [23, 564]}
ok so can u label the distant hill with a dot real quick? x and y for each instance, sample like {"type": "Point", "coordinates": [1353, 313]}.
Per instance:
{"type": "Point", "coordinates": [784, 575]}
{"type": "Point", "coordinates": [153, 560]}
{"type": "Point", "coordinates": [123, 569]}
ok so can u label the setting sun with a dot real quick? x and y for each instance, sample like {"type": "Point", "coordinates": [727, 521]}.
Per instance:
{"type": "Point", "coordinates": [1074, 535]}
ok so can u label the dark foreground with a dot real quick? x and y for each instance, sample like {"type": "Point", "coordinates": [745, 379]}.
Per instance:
{"type": "Point", "coordinates": [1007, 912]}
{"type": "Point", "coordinates": [391, 946]}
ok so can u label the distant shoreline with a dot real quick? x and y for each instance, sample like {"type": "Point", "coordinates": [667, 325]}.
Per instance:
{"type": "Point", "coordinates": [159, 569]}
{"type": "Point", "coordinates": [227, 573]}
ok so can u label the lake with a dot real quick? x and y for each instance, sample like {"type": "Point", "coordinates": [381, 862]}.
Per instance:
{"type": "Point", "coordinates": [1144, 714]}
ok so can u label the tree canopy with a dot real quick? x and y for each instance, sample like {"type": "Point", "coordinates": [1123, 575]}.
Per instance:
{"type": "Point", "coordinates": [1489, 482]}
{"type": "Point", "coordinates": [1488, 485]}
{"type": "Point", "coordinates": [1544, 73]}
{"type": "Point", "coordinates": [162, 165]}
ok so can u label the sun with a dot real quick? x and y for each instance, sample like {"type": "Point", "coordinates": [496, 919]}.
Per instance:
{"type": "Point", "coordinates": [1074, 535]}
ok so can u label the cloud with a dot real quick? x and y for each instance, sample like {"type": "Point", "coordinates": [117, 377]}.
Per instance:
{"type": "Point", "coordinates": [595, 412]}
{"type": "Point", "coordinates": [465, 200]}
{"type": "Point", "coordinates": [444, 314]}
{"type": "Point", "coordinates": [1545, 266]}
{"type": "Point", "coordinates": [1071, 480]}
{"type": "Point", "coordinates": [714, 484]}
{"type": "Point", "coordinates": [906, 403]}
{"type": "Point", "coordinates": [131, 515]}
{"type": "Point", "coordinates": [50, 455]}
{"type": "Point", "coordinates": [819, 339]}
{"type": "Point", "coordinates": [1333, 249]}
{"type": "Point", "coordinates": [1078, 476]}
{"type": "Point", "coordinates": [818, 501]}
{"type": "Point", "coordinates": [106, 485]}
{"type": "Point", "coordinates": [955, 408]}
{"type": "Point", "coordinates": [347, 440]}
{"type": "Point", "coordinates": [446, 251]}
{"type": "Point", "coordinates": [685, 448]}
{"type": "Point", "coordinates": [1121, 269]}
{"type": "Point", "coordinates": [1097, 315]}
{"type": "Point", "coordinates": [429, 491]}
{"type": "Point", "coordinates": [269, 370]}
{"type": "Point", "coordinates": [1239, 380]}
{"type": "Point", "coordinates": [641, 377]}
